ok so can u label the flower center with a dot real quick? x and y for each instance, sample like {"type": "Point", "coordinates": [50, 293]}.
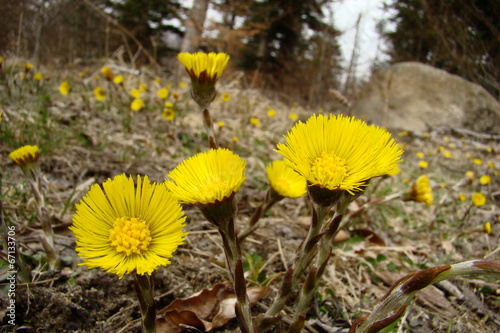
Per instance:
{"type": "Point", "coordinates": [328, 170]}
{"type": "Point", "coordinates": [130, 235]}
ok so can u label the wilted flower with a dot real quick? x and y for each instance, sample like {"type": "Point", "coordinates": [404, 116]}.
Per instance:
{"type": "Point", "coordinates": [125, 229]}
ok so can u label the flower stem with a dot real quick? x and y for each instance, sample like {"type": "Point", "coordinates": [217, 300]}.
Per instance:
{"type": "Point", "coordinates": [144, 287]}
{"type": "Point", "coordinates": [209, 127]}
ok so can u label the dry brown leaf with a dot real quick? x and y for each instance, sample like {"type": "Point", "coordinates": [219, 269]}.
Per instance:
{"type": "Point", "coordinates": [208, 309]}
{"type": "Point", "coordinates": [370, 236]}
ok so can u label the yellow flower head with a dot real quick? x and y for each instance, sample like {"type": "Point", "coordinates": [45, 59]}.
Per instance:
{"type": "Point", "coordinates": [99, 94]}
{"type": "Point", "coordinates": [255, 122]}
{"type": "Point", "coordinates": [135, 93]}
{"type": "Point", "coordinates": [271, 113]}
{"type": "Point", "coordinates": [203, 67]}
{"type": "Point", "coordinates": [225, 97]}
{"type": "Point", "coordinates": [162, 93]}
{"type": "Point", "coordinates": [25, 156]}
{"type": "Point", "coordinates": [124, 228]}
{"type": "Point", "coordinates": [485, 180]}
{"type": "Point", "coordinates": [423, 164]}
{"type": "Point", "coordinates": [446, 154]}
{"type": "Point", "coordinates": [182, 84]}
{"type": "Point", "coordinates": [143, 87]}
{"type": "Point", "coordinates": [462, 197]}
{"type": "Point", "coordinates": [420, 155]}
{"type": "Point", "coordinates": [421, 191]}
{"type": "Point", "coordinates": [339, 152]}
{"type": "Point", "coordinates": [235, 139]}
{"type": "Point", "coordinates": [293, 116]}
{"type": "Point", "coordinates": [285, 181]}
{"type": "Point", "coordinates": [28, 66]}
{"type": "Point", "coordinates": [207, 177]}
{"type": "Point", "coordinates": [221, 124]}
{"type": "Point", "coordinates": [477, 161]}
{"type": "Point", "coordinates": [478, 199]}
{"type": "Point", "coordinates": [118, 79]}
{"type": "Point", "coordinates": [168, 114]}
{"type": "Point", "coordinates": [137, 104]}
{"type": "Point", "coordinates": [38, 76]}
{"type": "Point", "coordinates": [64, 88]}
{"type": "Point", "coordinates": [487, 228]}
{"type": "Point", "coordinates": [108, 74]}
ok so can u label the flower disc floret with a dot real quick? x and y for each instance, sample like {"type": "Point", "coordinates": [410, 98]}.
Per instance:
{"type": "Point", "coordinates": [285, 181]}
{"type": "Point", "coordinates": [125, 228]}
{"type": "Point", "coordinates": [339, 152]}
{"type": "Point", "coordinates": [207, 177]}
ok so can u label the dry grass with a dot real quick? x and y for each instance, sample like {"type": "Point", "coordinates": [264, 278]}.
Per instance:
{"type": "Point", "coordinates": [84, 141]}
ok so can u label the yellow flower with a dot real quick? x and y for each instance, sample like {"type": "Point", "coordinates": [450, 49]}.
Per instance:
{"type": "Point", "coordinates": [485, 180]}
{"type": "Point", "coordinates": [168, 105]}
{"type": "Point", "coordinates": [208, 177]}
{"type": "Point", "coordinates": [423, 164]}
{"type": "Point", "coordinates": [421, 191]}
{"type": "Point", "coordinates": [25, 156]}
{"type": "Point", "coordinates": [64, 88]}
{"type": "Point", "coordinates": [285, 181]}
{"type": "Point", "coordinates": [235, 139]}
{"type": "Point", "coordinates": [203, 67]}
{"type": "Point", "coordinates": [143, 87]}
{"type": "Point", "coordinates": [426, 134]}
{"type": "Point", "coordinates": [271, 112]}
{"type": "Point", "coordinates": [28, 66]}
{"type": "Point", "coordinates": [420, 155]}
{"type": "Point", "coordinates": [162, 93]}
{"type": "Point", "coordinates": [225, 97]}
{"type": "Point", "coordinates": [182, 84]}
{"type": "Point", "coordinates": [462, 197]}
{"type": "Point", "coordinates": [339, 152]}
{"type": "Point", "coordinates": [168, 114]}
{"type": "Point", "coordinates": [38, 76]}
{"type": "Point", "coordinates": [468, 155]}
{"type": "Point", "coordinates": [446, 154]}
{"type": "Point", "coordinates": [446, 139]}
{"type": "Point", "coordinates": [478, 199]}
{"type": "Point", "coordinates": [487, 228]}
{"type": "Point", "coordinates": [108, 74]}
{"type": "Point", "coordinates": [293, 116]}
{"type": "Point", "coordinates": [123, 228]}
{"type": "Point", "coordinates": [221, 124]}
{"type": "Point", "coordinates": [137, 104]}
{"type": "Point", "coordinates": [491, 165]}
{"type": "Point", "coordinates": [135, 93]}
{"type": "Point", "coordinates": [99, 94]}
{"type": "Point", "coordinates": [255, 121]}
{"type": "Point", "coordinates": [452, 146]}
{"type": "Point", "coordinates": [118, 79]}
{"type": "Point", "coordinates": [477, 161]}
{"type": "Point", "coordinates": [157, 80]}
{"type": "Point", "coordinates": [403, 134]}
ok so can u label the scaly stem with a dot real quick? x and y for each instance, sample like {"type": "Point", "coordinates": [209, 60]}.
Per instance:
{"type": "Point", "coordinates": [209, 127]}
{"type": "Point", "coordinates": [144, 287]}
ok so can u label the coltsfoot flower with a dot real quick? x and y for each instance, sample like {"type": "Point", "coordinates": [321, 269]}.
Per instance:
{"type": "Point", "coordinates": [208, 177]}
{"type": "Point", "coordinates": [339, 153]}
{"type": "Point", "coordinates": [123, 228]}
{"type": "Point", "coordinates": [25, 156]}
{"type": "Point", "coordinates": [64, 88]}
{"type": "Point", "coordinates": [285, 181]}
{"type": "Point", "coordinates": [99, 94]}
{"type": "Point", "coordinates": [421, 191]}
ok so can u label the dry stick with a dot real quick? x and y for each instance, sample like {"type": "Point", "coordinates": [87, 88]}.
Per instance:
{"type": "Point", "coordinates": [124, 30]}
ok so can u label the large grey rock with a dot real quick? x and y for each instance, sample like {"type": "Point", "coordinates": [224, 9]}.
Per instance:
{"type": "Point", "coordinates": [413, 96]}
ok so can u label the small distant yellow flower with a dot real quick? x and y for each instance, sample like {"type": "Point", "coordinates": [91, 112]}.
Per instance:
{"type": "Point", "coordinates": [446, 154]}
{"type": "Point", "coordinates": [339, 152]}
{"type": "Point", "coordinates": [485, 180]}
{"type": "Point", "coordinates": [255, 121]}
{"type": "Point", "coordinates": [489, 150]}
{"type": "Point", "coordinates": [108, 74]}
{"type": "Point", "coordinates": [81, 74]}
{"type": "Point", "coordinates": [421, 191]}
{"type": "Point", "coordinates": [99, 94]}
{"type": "Point", "coordinates": [420, 155]}
{"type": "Point", "coordinates": [38, 76]}
{"type": "Point", "coordinates": [477, 161]}
{"type": "Point", "coordinates": [168, 114]}
{"type": "Point", "coordinates": [271, 112]}
{"type": "Point", "coordinates": [225, 97]}
{"type": "Point", "coordinates": [118, 79]}
{"type": "Point", "coordinates": [452, 146]}
{"type": "Point", "coordinates": [221, 124]}
{"type": "Point", "coordinates": [470, 176]}
{"type": "Point", "coordinates": [25, 156]}
{"type": "Point", "coordinates": [137, 104]}
{"type": "Point", "coordinates": [28, 66]}
{"type": "Point", "coordinates": [208, 177]}
{"type": "Point", "coordinates": [478, 199]}
{"type": "Point", "coordinates": [487, 228]}
{"type": "Point", "coordinates": [157, 80]}
{"type": "Point", "coordinates": [235, 139]}
{"type": "Point", "coordinates": [64, 88]}
{"type": "Point", "coordinates": [293, 116]}
{"type": "Point", "coordinates": [203, 67]}
{"type": "Point", "coordinates": [320, 111]}
{"type": "Point", "coordinates": [468, 155]}
{"type": "Point", "coordinates": [403, 134]}
{"type": "Point", "coordinates": [176, 95]}
{"type": "Point", "coordinates": [183, 84]}
{"type": "Point", "coordinates": [127, 228]}
{"type": "Point", "coordinates": [143, 87]}
{"type": "Point", "coordinates": [406, 181]}
{"type": "Point", "coordinates": [162, 93]}
{"type": "Point", "coordinates": [426, 134]}
{"type": "Point", "coordinates": [440, 148]}
{"type": "Point", "coordinates": [168, 105]}
{"type": "Point", "coordinates": [491, 165]}
{"type": "Point", "coordinates": [285, 181]}
{"type": "Point", "coordinates": [446, 139]}
{"type": "Point", "coordinates": [135, 93]}
{"type": "Point", "coordinates": [423, 164]}
{"type": "Point", "coordinates": [462, 197]}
